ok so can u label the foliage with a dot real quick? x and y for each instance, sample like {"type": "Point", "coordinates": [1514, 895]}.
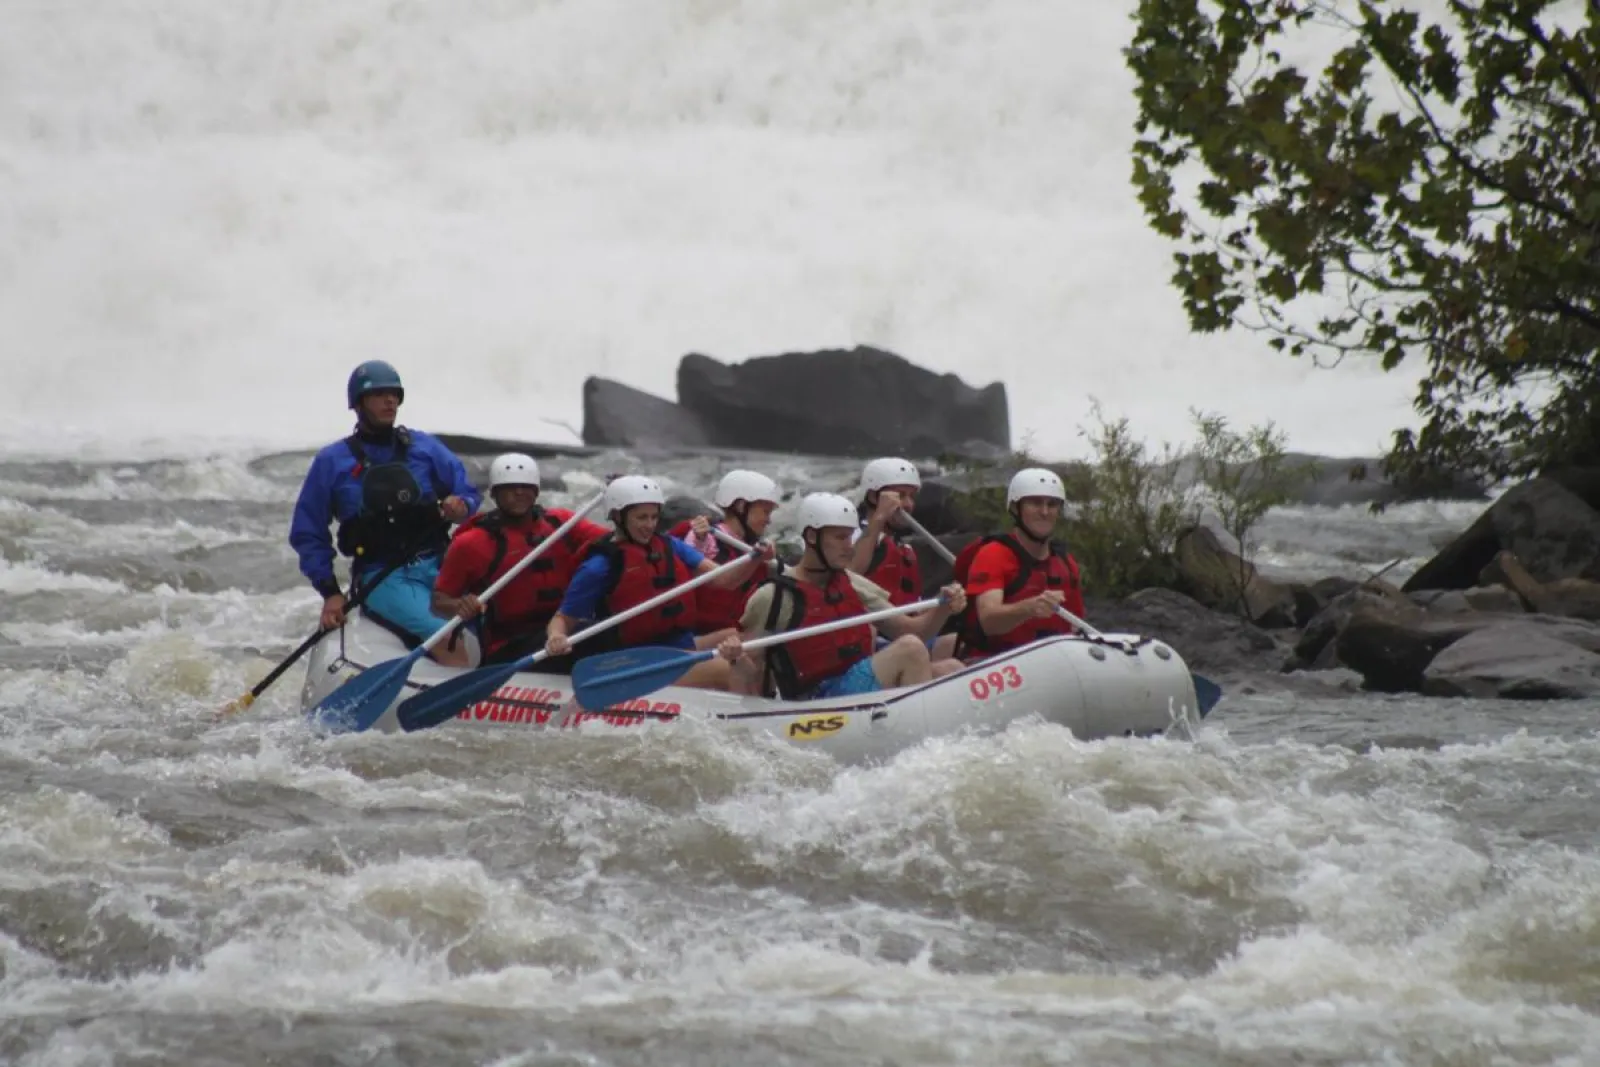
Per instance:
{"type": "Point", "coordinates": [1136, 507]}
{"type": "Point", "coordinates": [1129, 505]}
{"type": "Point", "coordinates": [1243, 476]}
{"type": "Point", "coordinates": [1430, 194]}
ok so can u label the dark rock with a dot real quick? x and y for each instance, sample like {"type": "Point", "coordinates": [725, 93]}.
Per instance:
{"type": "Point", "coordinates": [1317, 648]}
{"type": "Point", "coordinates": [936, 570]}
{"type": "Point", "coordinates": [1393, 652]}
{"type": "Point", "coordinates": [621, 416]}
{"type": "Point", "coordinates": [679, 508]}
{"type": "Point", "coordinates": [1546, 526]}
{"type": "Point", "coordinates": [943, 509]}
{"type": "Point", "coordinates": [859, 402]}
{"type": "Point", "coordinates": [1581, 482]}
{"type": "Point", "coordinates": [1574, 598]}
{"type": "Point", "coordinates": [1219, 579]}
{"type": "Point", "coordinates": [1209, 641]}
{"type": "Point", "coordinates": [1306, 602]}
{"type": "Point", "coordinates": [1517, 661]}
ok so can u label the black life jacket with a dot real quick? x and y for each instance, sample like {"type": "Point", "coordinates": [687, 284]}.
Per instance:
{"type": "Point", "coordinates": [398, 520]}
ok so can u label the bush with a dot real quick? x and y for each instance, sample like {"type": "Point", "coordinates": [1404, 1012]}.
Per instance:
{"type": "Point", "coordinates": [1127, 508]}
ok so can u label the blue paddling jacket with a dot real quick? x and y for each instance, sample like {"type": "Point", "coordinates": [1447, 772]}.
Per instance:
{"type": "Point", "coordinates": [338, 482]}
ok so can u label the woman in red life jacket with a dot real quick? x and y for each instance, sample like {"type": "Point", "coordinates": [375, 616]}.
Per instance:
{"type": "Point", "coordinates": [747, 500]}
{"type": "Point", "coordinates": [488, 545]}
{"type": "Point", "coordinates": [1017, 580]}
{"type": "Point", "coordinates": [630, 566]}
{"type": "Point", "coordinates": [883, 550]}
{"type": "Point", "coordinates": [822, 588]}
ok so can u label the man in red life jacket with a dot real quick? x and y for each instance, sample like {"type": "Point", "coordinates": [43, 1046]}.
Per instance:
{"type": "Point", "coordinates": [822, 588]}
{"type": "Point", "coordinates": [486, 546]}
{"type": "Point", "coordinates": [883, 550]}
{"type": "Point", "coordinates": [747, 500]}
{"type": "Point", "coordinates": [1017, 580]}
{"type": "Point", "coordinates": [632, 565]}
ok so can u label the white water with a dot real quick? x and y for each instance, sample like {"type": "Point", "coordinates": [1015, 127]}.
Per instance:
{"type": "Point", "coordinates": [209, 212]}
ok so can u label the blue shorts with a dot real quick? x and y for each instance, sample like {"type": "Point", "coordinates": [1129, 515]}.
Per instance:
{"type": "Point", "coordinates": [405, 598]}
{"type": "Point", "coordinates": [860, 678]}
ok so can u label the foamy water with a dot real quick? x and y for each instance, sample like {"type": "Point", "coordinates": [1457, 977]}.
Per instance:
{"type": "Point", "coordinates": [212, 212]}
{"type": "Point", "coordinates": [1323, 876]}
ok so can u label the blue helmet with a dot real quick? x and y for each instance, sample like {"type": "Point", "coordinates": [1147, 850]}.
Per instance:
{"type": "Point", "coordinates": [371, 376]}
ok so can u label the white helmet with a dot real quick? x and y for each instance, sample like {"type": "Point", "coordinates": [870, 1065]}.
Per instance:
{"type": "Point", "coordinates": [747, 486]}
{"type": "Point", "coordinates": [1035, 481]}
{"type": "Point", "coordinates": [821, 510]}
{"type": "Point", "coordinates": [889, 471]}
{"type": "Point", "coordinates": [513, 468]}
{"type": "Point", "coordinates": [631, 490]}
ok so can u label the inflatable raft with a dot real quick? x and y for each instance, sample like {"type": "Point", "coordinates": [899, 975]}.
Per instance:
{"type": "Point", "coordinates": [1115, 685]}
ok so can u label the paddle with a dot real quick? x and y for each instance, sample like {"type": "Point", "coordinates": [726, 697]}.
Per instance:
{"type": "Point", "coordinates": [950, 557]}
{"type": "Point", "coordinates": [443, 702]}
{"type": "Point", "coordinates": [1206, 692]}
{"type": "Point", "coordinates": [605, 680]}
{"type": "Point", "coordinates": [235, 706]}
{"type": "Point", "coordinates": [359, 702]}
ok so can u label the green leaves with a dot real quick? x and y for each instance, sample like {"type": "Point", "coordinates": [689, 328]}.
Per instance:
{"type": "Point", "coordinates": [1441, 175]}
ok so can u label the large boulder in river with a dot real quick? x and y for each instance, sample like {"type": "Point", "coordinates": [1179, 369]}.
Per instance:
{"type": "Point", "coordinates": [1547, 526]}
{"type": "Point", "coordinates": [621, 416]}
{"type": "Point", "coordinates": [1518, 660]}
{"type": "Point", "coordinates": [1220, 579]}
{"type": "Point", "coordinates": [1394, 652]}
{"type": "Point", "coordinates": [1209, 641]}
{"type": "Point", "coordinates": [859, 402]}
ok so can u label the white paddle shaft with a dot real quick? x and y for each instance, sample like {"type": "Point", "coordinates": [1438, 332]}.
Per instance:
{"type": "Point", "coordinates": [505, 579]}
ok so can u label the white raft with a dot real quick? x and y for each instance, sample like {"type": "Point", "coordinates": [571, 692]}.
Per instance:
{"type": "Point", "coordinates": [1117, 685]}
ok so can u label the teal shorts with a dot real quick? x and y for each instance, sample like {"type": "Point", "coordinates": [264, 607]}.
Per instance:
{"type": "Point", "coordinates": [860, 678]}
{"type": "Point", "coordinates": [403, 602]}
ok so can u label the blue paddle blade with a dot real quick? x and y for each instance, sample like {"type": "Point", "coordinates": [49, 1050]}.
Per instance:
{"type": "Point", "coordinates": [1206, 693]}
{"type": "Point", "coordinates": [361, 701]}
{"type": "Point", "coordinates": [601, 681]}
{"type": "Point", "coordinates": [443, 702]}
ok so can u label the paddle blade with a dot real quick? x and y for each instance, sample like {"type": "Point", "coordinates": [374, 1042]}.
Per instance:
{"type": "Point", "coordinates": [601, 681]}
{"type": "Point", "coordinates": [443, 702]}
{"type": "Point", "coordinates": [361, 701]}
{"type": "Point", "coordinates": [233, 707]}
{"type": "Point", "coordinates": [1206, 693]}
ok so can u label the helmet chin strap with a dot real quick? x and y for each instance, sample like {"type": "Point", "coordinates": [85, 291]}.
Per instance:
{"type": "Point", "coordinates": [1022, 528]}
{"type": "Point", "coordinates": [814, 548]}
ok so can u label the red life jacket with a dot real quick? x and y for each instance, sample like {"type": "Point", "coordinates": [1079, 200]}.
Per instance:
{"type": "Point", "coordinates": [1058, 570]}
{"type": "Point", "coordinates": [799, 666]}
{"type": "Point", "coordinates": [895, 567]}
{"type": "Point", "coordinates": [717, 608]}
{"type": "Point", "coordinates": [530, 601]}
{"type": "Point", "coordinates": [640, 573]}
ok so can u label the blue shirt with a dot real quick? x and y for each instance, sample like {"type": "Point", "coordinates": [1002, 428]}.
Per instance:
{"type": "Point", "coordinates": [588, 585]}
{"type": "Point", "coordinates": [331, 494]}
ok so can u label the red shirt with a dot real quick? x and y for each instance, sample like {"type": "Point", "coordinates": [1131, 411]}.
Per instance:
{"type": "Point", "coordinates": [465, 568]}
{"type": "Point", "coordinates": [996, 566]}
